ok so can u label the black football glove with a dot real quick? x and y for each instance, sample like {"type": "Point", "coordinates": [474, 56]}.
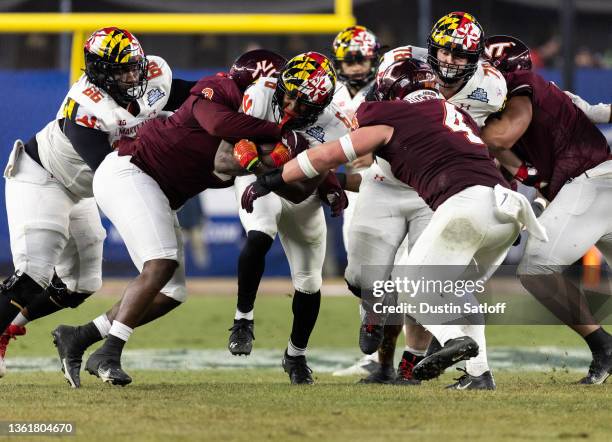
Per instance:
{"type": "Point", "coordinates": [266, 183]}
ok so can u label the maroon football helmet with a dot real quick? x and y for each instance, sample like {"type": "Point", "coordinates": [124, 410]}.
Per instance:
{"type": "Point", "coordinates": [403, 77]}
{"type": "Point", "coordinates": [506, 53]}
{"type": "Point", "coordinates": [254, 64]}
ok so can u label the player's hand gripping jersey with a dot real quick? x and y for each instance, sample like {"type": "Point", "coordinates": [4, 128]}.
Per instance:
{"type": "Point", "coordinates": [91, 107]}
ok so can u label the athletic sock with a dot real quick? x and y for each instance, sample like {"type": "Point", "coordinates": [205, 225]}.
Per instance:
{"type": "Point", "coordinates": [251, 266]}
{"type": "Point", "coordinates": [599, 341]}
{"type": "Point", "coordinates": [478, 364]}
{"type": "Point", "coordinates": [414, 351]}
{"type": "Point", "coordinates": [117, 337]}
{"type": "Point", "coordinates": [305, 313]}
{"type": "Point", "coordinates": [240, 315]}
{"type": "Point", "coordinates": [293, 351]}
{"type": "Point", "coordinates": [102, 324]}
{"type": "Point", "coordinates": [20, 320]}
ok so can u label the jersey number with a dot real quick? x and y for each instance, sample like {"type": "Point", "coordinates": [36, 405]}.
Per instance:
{"type": "Point", "coordinates": [153, 70]}
{"type": "Point", "coordinates": [453, 119]}
{"type": "Point", "coordinates": [93, 93]}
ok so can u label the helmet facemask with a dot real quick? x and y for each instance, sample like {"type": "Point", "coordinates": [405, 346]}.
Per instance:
{"type": "Point", "coordinates": [115, 62]}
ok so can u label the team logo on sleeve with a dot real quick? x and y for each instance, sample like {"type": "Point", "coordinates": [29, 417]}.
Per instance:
{"type": "Point", "coordinates": [154, 95]}
{"type": "Point", "coordinates": [479, 94]}
{"type": "Point", "coordinates": [207, 93]}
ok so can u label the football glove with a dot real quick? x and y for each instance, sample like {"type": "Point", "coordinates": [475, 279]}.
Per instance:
{"type": "Point", "coordinates": [529, 176]}
{"type": "Point", "coordinates": [264, 184]}
{"type": "Point", "coordinates": [597, 113]}
{"type": "Point", "coordinates": [331, 193]}
{"type": "Point", "coordinates": [245, 152]}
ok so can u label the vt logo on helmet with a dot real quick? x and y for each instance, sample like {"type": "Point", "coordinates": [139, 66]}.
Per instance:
{"type": "Point", "coordinates": [116, 63]}
{"type": "Point", "coordinates": [460, 35]}
{"type": "Point", "coordinates": [356, 45]}
{"type": "Point", "coordinates": [254, 64]}
{"type": "Point", "coordinates": [508, 54]}
{"type": "Point", "coordinates": [304, 89]}
{"type": "Point", "coordinates": [404, 77]}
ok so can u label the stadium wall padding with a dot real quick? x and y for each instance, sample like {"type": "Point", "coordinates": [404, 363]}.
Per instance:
{"type": "Point", "coordinates": [29, 99]}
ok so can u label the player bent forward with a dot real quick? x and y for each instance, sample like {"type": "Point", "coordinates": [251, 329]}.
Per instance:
{"type": "Point", "coordinates": [427, 140]}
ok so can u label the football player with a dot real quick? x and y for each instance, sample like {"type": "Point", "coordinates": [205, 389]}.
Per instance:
{"type": "Point", "coordinates": [544, 129]}
{"type": "Point", "coordinates": [425, 139]}
{"type": "Point", "coordinates": [455, 45]}
{"type": "Point", "coordinates": [356, 55]}
{"type": "Point", "coordinates": [301, 99]}
{"type": "Point", "coordinates": [140, 186]}
{"type": "Point", "coordinates": [53, 220]}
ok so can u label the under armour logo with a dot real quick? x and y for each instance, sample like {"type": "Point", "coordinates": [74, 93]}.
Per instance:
{"type": "Point", "coordinates": [378, 177]}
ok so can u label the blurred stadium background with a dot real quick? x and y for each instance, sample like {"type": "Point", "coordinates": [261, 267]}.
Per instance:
{"type": "Point", "coordinates": [571, 42]}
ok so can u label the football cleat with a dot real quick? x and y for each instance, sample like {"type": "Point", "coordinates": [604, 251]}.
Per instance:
{"type": "Point", "coordinates": [242, 337]}
{"type": "Point", "coordinates": [468, 382]}
{"type": "Point", "coordinates": [455, 350]}
{"type": "Point", "coordinates": [384, 375]}
{"type": "Point", "coordinates": [363, 367]}
{"type": "Point", "coordinates": [299, 372]}
{"type": "Point", "coordinates": [404, 370]}
{"type": "Point", "coordinates": [599, 370]}
{"type": "Point", "coordinates": [11, 332]}
{"type": "Point", "coordinates": [107, 368]}
{"type": "Point", "coordinates": [370, 337]}
{"type": "Point", "coordinates": [70, 353]}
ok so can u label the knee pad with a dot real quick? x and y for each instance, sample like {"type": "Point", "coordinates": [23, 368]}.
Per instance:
{"type": "Point", "coordinates": [59, 294]}
{"type": "Point", "coordinates": [20, 289]}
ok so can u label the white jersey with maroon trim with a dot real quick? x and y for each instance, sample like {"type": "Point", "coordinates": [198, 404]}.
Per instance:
{"type": "Point", "coordinates": [92, 107]}
{"type": "Point", "coordinates": [346, 103]}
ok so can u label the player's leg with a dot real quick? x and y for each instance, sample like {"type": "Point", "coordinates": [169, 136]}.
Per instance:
{"type": "Point", "coordinates": [302, 231]}
{"type": "Point", "coordinates": [377, 230]}
{"type": "Point", "coordinates": [576, 219]}
{"type": "Point", "coordinates": [37, 212]}
{"type": "Point", "coordinates": [461, 227]}
{"type": "Point", "coordinates": [261, 228]}
{"type": "Point", "coordinates": [140, 211]}
{"type": "Point", "coordinates": [416, 337]}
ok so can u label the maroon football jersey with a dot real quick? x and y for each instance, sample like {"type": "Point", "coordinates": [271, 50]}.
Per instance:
{"type": "Point", "coordinates": [560, 141]}
{"type": "Point", "coordinates": [179, 152]}
{"type": "Point", "coordinates": [435, 148]}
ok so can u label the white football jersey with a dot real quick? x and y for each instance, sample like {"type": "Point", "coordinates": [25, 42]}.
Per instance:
{"type": "Point", "coordinates": [483, 94]}
{"type": "Point", "coordinates": [346, 103]}
{"type": "Point", "coordinates": [401, 53]}
{"type": "Point", "coordinates": [331, 124]}
{"type": "Point", "coordinates": [91, 107]}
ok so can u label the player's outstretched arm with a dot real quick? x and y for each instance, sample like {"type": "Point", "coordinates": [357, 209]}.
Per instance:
{"type": "Point", "coordinates": [598, 113]}
{"type": "Point", "coordinates": [503, 132]}
{"type": "Point", "coordinates": [317, 160]}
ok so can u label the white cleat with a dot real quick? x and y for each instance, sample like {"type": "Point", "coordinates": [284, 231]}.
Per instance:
{"type": "Point", "coordinates": [363, 367]}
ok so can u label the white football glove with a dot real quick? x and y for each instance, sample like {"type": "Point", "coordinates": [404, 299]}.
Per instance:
{"type": "Point", "coordinates": [597, 113]}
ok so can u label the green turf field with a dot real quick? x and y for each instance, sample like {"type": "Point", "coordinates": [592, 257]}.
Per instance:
{"type": "Point", "coordinates": [251, 403]}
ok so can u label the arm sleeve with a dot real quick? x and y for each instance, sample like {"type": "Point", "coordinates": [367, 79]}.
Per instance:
{"type": "Point", "coordinates": [179, 91]}
{"type": "Point", "coordinates": [91, 144]}
{"type": "Point", "coordinates": [221, 121]}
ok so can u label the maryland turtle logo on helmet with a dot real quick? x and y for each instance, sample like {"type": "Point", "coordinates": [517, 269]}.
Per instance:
{"type": "Point", "coordinates": [356, 44]}
{"type": "Point", "coordinates": [116, 63]}
{"type": "Point", "coordinates": [308, 79]}
{"type": "Point", "coordinates": [461, 35]}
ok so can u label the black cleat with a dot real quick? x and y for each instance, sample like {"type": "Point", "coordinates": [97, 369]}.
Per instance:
{"type": "Point", "coordinates": [404, 370]}
{"type": "Point", "coordinates": [434, 347]}
{"type": "Point", "coordinates": [599, 370]}
{"type": "Point", "coordinates": [70, 353]}
{"type": "Point", "coordinates": [107, 368]}
{"type": "Point", "coordinates": [455, 350]}
{"type": "Point", "coordinates": [299, 372]}
{"type": "Point", "coordinates": [384, 375]}
{"type": "Point", "coordinates": [242, 337]}
{"type": "Point", "coordinates": [468, 382]}
{"type": "Point", "coordinates": [370, 337]}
